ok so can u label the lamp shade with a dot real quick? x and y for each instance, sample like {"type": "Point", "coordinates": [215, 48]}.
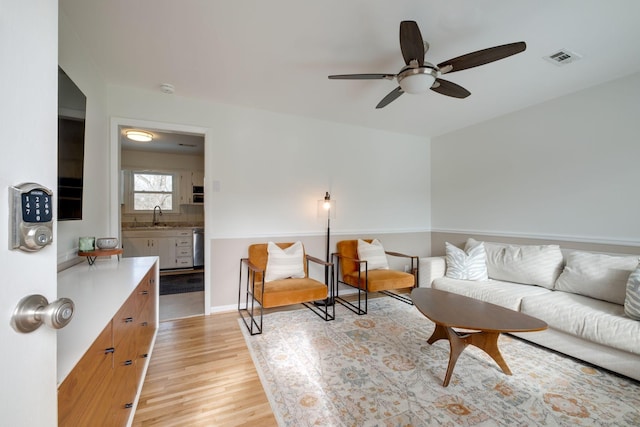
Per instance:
{"type": "Point", "coordinates": [326, 207]}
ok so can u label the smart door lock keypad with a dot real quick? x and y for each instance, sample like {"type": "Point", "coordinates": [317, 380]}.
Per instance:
{"type": "Point", "coordinates": [36, 206]}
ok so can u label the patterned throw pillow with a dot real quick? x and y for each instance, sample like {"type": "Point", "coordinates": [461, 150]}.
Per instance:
{"type": "Point", "coordinates": [632, 300]}
{"type": "Point", "coordinates": [284, 263]}
{"type": "Point", "coordinates": [469, 265]}
{"type": "Point", "coordinates": [374, 254]}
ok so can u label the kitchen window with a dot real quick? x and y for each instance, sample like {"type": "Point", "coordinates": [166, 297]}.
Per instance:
{"type": "Point", "coordinates": [150, 189]}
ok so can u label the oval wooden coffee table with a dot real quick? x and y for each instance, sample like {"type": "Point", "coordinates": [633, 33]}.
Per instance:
{"type": "Point", "coordinates": [448, 310]}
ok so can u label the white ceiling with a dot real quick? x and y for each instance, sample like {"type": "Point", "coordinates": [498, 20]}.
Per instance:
{"type": "Point", "coordinates": [164, 142]}
{"type": "Point", "coordinates": [276, 55]}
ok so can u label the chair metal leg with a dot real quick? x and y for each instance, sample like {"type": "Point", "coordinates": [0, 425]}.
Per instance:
{"type": "Point", "coordinates": [326, 311]}
{"type": "Point", "coordinates": [247, 311]}
{"type": "Point", "coordinates": [357, 309]}
{"type": "Point", "coordinates": [404, 299]}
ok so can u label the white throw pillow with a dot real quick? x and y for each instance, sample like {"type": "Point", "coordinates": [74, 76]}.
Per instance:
{"type": "Point", "coordinates": [374, 254]}
{"type": "Point", "coordinates": [284, 263]}
{"type": "Point", "coordinates": [527, 264]}
{"type": "Point", "coordinates": [597, 276]}
{"type": "Point", "coordinates": [467, 265]}
{"type": "Point", "coordinates": [632, 299]}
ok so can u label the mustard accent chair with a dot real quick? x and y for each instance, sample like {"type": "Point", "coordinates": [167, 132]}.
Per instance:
{"type": "Point", "coordinates": [257, 295]}
{"type": "Point", "coordinates": [348, 272]}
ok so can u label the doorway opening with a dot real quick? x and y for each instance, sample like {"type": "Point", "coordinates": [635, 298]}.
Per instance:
{"type": "Point", "coordinates": [161, 209]}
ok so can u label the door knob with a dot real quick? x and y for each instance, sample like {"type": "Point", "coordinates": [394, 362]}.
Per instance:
{"type": "Point", "coordinates": [34, 310]}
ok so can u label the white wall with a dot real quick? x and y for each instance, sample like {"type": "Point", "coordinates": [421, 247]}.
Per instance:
{"type": "Point", "coordinates": [28, 137]}
{"type": "Point", "coordinates": [567, 168]}
{"type": "Point", "coordinates": [272, 168]}
{"type": "Point", "coordinates": [76, 62]}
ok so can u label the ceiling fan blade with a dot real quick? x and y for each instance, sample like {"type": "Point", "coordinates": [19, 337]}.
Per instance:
{"type": "Point", "coordinates": [411, 43]}
{"type": "Point", "coordinates": [391, 96]}
{"type": "Point", "coordinates": [481, 57]}
{"type": "Point", "coordinates": [362, 76]}
{"type": "Point", "coordinates": [445, 87]}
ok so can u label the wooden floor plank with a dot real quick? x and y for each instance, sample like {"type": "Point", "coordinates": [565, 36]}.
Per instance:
{"type": "Point", "coordinates": [201, 374]}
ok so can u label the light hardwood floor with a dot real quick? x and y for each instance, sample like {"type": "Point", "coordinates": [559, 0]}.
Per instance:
{"type": "Point", "coordinates": [201, 374]}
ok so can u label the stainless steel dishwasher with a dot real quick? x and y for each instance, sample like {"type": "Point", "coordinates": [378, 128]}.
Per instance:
{"type": "Point", "coordinates": [198, 247]}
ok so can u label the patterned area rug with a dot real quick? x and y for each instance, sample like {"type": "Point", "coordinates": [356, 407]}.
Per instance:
{"type": "Point", "coordinates": [378, 370]}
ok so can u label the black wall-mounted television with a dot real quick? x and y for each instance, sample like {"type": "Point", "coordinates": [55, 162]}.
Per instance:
{"type": "Point", "coordinates": [72, 107]}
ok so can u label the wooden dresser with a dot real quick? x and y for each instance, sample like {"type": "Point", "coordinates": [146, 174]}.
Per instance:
{"type": "Point", "coordinates": [103, 353]}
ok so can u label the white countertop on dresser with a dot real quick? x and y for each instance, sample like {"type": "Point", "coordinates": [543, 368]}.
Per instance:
{"type": "Point", "coordinates": [98, 291]}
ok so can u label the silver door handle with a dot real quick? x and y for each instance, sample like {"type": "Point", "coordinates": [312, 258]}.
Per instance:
{"type": "Point", "coordinates": [34, 310]}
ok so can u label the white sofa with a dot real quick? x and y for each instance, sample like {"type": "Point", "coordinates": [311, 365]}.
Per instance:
{"type": "Point", "coordinates": [580, 295]}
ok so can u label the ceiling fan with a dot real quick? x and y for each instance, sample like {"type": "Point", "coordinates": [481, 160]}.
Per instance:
{"type": "Point", "coordinates": [418, 76]}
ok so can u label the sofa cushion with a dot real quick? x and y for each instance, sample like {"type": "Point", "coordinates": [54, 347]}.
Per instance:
{"type": "Point", "coordinates": [597, 275]}
{"type": "Point", "coordinates": [374, 254]}
{"type": "Point", "coordinates": [505, 294]}
{"type": "Point", "coordinates": [632, 298]}
{"type": "Point", "coordinates": [594, 320]}
{"type": "Point", "coordinates": [528, 264]}
{"type": "Point", "coordinates": [469, 264]}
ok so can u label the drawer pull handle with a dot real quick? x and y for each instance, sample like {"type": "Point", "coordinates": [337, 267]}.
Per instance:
{"type": "Point", "coordinates": [144, 356]}
{"type": "Point", "coordinates": [109, 350]}
{"type": "Point", "coordinates": [145, 323]}
{"type": "Point", "coordinates": [128, 319]}
{"type": "Point", "coordinates": [128, 405]}
{"type": "Point", "coordinates": [128, 362]}
{"type": "Point", "coordinates": [144, 293]}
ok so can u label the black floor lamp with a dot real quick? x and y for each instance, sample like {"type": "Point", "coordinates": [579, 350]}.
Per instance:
{"type": "Point", "coordinates": [327, 207]}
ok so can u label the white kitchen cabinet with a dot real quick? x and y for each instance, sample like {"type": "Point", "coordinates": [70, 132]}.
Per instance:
{"type": "Point", "coordinates": [166, 252]}
{"type": "Point", "coordinates": [174, 247]}
{"type": "Point", "coordinates": [192, 188]}
{"type": "Point", "coordinates": [139, 246]}
{"type": "Point", "coordinates": [186, 188]}
{"type": "Point", "coordinates": [197, 178]}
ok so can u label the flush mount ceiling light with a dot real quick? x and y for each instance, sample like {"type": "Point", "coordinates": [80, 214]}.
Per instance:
{"type": "Point", "coordinates": [138, 135]}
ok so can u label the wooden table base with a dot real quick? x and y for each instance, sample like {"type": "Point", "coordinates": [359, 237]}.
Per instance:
{"type": "Point", "coordinates": [458, 341]}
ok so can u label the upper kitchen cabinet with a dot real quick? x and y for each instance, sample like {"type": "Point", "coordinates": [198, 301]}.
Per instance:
{"type": "Point", "coordinates": [192, 188]}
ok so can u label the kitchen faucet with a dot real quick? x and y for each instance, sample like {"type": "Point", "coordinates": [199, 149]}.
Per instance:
{"type": "Point", "coordinates": [155, 220]}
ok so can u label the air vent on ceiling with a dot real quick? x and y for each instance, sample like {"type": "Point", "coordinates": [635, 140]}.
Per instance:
{"type": "Point", "coordinates": [562, 57]}
{"type": "Point", "coordinates": [187, 145]}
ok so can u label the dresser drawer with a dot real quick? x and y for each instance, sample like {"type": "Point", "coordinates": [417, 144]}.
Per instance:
{"type": "Point", "coordinates": [124, 322]}
{"type": "Point", "coordinates": [83, 394]}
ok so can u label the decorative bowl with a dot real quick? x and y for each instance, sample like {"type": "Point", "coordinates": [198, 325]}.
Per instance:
{"type": "Point", "coordinates": [107, 242]}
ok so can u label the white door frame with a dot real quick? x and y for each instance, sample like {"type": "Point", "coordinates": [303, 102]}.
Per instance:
{"type": "Point", "coordinates": [114, 217]}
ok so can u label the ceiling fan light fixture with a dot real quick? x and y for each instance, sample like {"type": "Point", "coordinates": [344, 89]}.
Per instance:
{"type": "Point", "coordinates": [139, 135]}
{"type": "Point", "coordinates": [417, 80]}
